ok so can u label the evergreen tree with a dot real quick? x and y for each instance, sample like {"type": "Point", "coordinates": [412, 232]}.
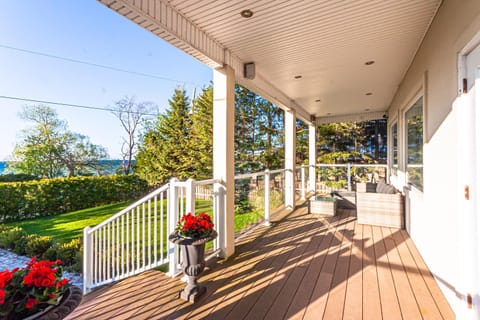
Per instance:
{"type": "Point", "coordinates": [164, 153]}
{"type": "Point", "coordinates": [258, 132]}
{"type": "Point", "coordinates": [270, 138]}
{"type": "Point", "coordinates": [302, 143]}
{"type": "Point", "coordinates": [201, 136]}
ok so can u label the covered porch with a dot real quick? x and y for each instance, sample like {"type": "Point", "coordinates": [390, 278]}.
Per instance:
{"type": "Point", "coordinates": [303, 266]}
{"type": "Point", "coordinates": [415, 63]}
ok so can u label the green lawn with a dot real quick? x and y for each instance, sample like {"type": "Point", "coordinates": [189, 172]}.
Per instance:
{"type": "Point", "coordinates": [68, 226]}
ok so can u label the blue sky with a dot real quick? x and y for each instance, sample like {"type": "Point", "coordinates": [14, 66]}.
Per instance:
{"type": "Point", "coordinates": [83, 30]}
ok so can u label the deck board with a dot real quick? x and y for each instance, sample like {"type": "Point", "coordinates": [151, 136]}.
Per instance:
{"type": "Point", "coordinates": [304, 266]}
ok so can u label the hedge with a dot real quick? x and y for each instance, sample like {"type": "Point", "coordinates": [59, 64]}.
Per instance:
{"type": "Point", "coordinates": [22, 200]}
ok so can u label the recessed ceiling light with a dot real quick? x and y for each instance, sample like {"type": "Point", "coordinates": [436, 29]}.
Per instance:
{"type": "Point", "coordinates": [368, 94]}
{"type": "Point", "coordinates": [369, 63]}
{"type": "Point", "coordinates": [318, 100]}
{"type": "Point", "coordinates": [247, 13]}
{"type": "Point", "coordinates": [298, 77]}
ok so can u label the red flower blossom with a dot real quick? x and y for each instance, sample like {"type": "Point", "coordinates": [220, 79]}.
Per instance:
{"type": "Point", "coordinates": [5, 277]}
{"type": "Point", "coordinates": [194, 225]}
{"type": "Point", "coordinates": [34, 285]}
{"type": "Point", "coordinates": [61, 283]}
{"type": "Point", "coordinates": [31, 302]}
{"type": "Point", "coordinates": [2, 296]}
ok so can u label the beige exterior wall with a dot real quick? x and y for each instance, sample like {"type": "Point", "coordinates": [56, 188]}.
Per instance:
{"type": "Point", "coordinates": [433, 214]}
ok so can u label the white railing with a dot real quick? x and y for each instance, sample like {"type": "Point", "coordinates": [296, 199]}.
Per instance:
{"type": "Point", "coordinates": [272, 179]}
{"type": "Point", "coordinates": [127, 243]}
{"type": "Point", "coordinates": [136, 238]}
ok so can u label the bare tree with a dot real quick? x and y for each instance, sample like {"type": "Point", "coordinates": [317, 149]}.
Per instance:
{"type": "Point", "coordinates": [131, 114]}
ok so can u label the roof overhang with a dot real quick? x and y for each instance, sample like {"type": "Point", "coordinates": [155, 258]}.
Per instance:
{"type": "Point", "coordinates": [327, 43]}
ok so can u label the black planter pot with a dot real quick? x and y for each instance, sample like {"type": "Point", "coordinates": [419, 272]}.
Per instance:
{"type": "Point", "coordinates": [70, 300]}
{"type": "Point", "coordinates": [193, 263]}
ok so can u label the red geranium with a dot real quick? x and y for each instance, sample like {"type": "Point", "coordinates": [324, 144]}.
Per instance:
{"type": "Point", "coordinates": [31, 302]}
{"type": "Point", "coordinates": [194, 226]}
{"type": "Point", "coordinates": [26, 291]}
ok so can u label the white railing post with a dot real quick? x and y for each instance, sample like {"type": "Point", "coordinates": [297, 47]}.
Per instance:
{"type": "Point", "coordinates": [312, 156]}
{"type": "Point", "coordinates": [302, 170]}
{"type": "Point", "coordinates": [87, 260]}
{"type": "Point", "coordinates": [267, 198]}
{"type": "Point", "coordinates": [172, 213]}
{"type": "Point", "coordinates": [190, 195]}
{"type": "Point", "coordinates": [349, 182]}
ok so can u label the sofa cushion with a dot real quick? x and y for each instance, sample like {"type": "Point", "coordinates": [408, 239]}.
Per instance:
{"type": "Point", "coordinates": [385, 188]}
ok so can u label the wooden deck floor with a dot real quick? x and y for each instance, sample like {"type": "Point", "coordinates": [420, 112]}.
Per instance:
{"type": "Point", "coordinates": [301, 267]}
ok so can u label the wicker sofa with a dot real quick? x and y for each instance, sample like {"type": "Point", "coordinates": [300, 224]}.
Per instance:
{"type": "Point", "coordinates": [380, 205]}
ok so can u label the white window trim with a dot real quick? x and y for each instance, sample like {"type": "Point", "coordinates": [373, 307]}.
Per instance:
{"type": "Point", "coordinates": [420, 93]}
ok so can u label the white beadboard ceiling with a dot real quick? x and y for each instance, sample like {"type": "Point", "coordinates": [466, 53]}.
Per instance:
{"type": "Point", "coordinates": [327, 42]}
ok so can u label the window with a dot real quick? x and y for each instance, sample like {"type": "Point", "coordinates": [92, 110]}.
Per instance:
{"type": "Point", "coordinates": [394, 134]}
{"type": "Point", "coordinates": [414, 139]}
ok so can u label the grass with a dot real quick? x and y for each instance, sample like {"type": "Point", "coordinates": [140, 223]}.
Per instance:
{"type": "Point", "coordinates": [69, 226]}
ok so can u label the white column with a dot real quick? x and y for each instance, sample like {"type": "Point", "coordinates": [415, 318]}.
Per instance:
{"type": "Point", "coordinates": [290, 153]}
{"type": "Point", "coordinates": [312, 157]}
{"type": "Point", "coordinates": [223, 155]}
{"type": "Point", "coordinates": [190, 196]}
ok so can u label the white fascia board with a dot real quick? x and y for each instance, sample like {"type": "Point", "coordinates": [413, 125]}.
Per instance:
{"type": "Point", "coordinates": [167, 23]}
{"type": "Point", "coordinates": [160, 18]}
{"type": "Point", "coordinates": [352, 117]}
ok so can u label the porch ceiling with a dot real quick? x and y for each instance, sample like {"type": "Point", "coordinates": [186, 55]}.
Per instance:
{"type": "Point", "coordinates": [325, 42]}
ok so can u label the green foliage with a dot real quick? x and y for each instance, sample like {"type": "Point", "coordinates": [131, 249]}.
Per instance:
{"type": "Point", "coordinates": [10, 236]}
{"type": "Point", "coordinates": [49, 149]}
{"type": "Point", "coordinates": [51, 253]}
{"type": "Point", "coordinates": [258, 133]}
{"type": "Point", "coordinates": [55, 196]}
{"type": "Point", "coordinates": [17, 177]}
{"type": "Point", "coordinates": [353, 142]}
{"type": "Point", "coordinates": [67, 252]}
{"type": "Point", "coordinates": [302, 143]}
{"type": "Point", "coordinates": [165, 144]}
{"type": "Point", "coordinates": [200, 143]}
{"type": "Point", "coordinates": [276, 199]}
{"type": "Point", "coordinates": [36, 245]}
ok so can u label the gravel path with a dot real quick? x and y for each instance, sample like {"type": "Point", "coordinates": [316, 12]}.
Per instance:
{"type": "Point", "coordinates": [10, 260]}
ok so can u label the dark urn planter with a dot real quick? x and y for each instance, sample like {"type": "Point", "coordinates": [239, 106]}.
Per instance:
{"type": "Point", "coordinates": [70, 300]}
{"type": "Point", "coordinates": [193, 263]}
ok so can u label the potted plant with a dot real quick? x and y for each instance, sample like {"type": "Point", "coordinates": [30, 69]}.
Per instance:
{"type": "Point", "coordinates": [37, 291]}
{"type": "Point", "coordinates": [192, 232]}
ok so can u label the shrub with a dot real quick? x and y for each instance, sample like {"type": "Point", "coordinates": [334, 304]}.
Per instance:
{"type": "Point", "coordinates": [276, 199]}
{"type": "Point", "coordinates": [17, 177]}
{"type": "Point", "coordinates": [67, 251]}
{"type": "Point", "coordinates": [21, 246]}
{"type": "Point", "coordinates": [51, 253]}
{"type": "Point", "coordinates": [46, 197]}
{"type": "Point", "coordinates": [10, 236]}
{"type": "Point", "coordinates": [45, 247]}
{"type": "Point", "coordinates": [37, 245]}
{"type": "Point", "coordinates": [78, 264]}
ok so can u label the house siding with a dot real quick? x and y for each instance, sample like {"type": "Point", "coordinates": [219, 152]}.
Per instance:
{"type": "Point", "coordinates": [432, 215]}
